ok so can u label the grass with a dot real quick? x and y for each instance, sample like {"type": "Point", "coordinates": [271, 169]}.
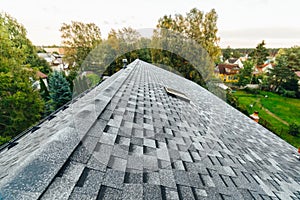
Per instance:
{"type": "Point", "coordinates": [274, 111]}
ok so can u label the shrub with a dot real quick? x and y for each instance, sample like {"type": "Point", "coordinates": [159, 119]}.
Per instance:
{"type": "Point", "coordinates": [294, 129]}
{"type": "Point", "coordinates": [252, 91]}
{"type": "Point", "coordinates": [288, 93]}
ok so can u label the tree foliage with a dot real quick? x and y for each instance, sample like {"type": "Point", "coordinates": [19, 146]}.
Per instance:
{"type": "Point", "coordinates": [245, 74]}
{"type": "Point", "coordinates": [280, 74]}
{"type": "Point", "coordinates": [20, 105]}
{"type": "Point", "coordinates": [197, 26]}
{"type": "Point", "coordinates": [79, 39]}
{"type": "Point", "coordinates": [59, 89]}
{"type": "Point", "coordinates": [260, 53]}
{"type": "Point", "coordinates": [230, 53]}
{"type": "Point", "coordinates": [293, 57]}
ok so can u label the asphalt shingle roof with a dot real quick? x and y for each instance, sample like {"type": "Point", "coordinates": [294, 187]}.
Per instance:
{"type": "Point", "coordinates": [129, 139]}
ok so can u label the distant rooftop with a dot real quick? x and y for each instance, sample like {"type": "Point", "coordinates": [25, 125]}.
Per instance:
{"type": "Point", "coordinates": [129, 139]}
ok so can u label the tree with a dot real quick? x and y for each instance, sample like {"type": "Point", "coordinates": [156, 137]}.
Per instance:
{"type": "Point", "coordinates": [59, 90]}
{"type": "Point", "coordinates": [19, 40]}
{"type": "Point", "coordinates": [197, 26]}
{"type": "Point", "coordinates": [230, 53]}
{"type": "Point", "coordinates": [227, 53]}
{"type": "Point", "coordinates": [293, 57]}
{"type": "Point", "coordinates": [259, 54]}
{"type": "Point", "coordinates": [280, 74]}
{"type": "Point", "coordinates": [20, 105]}
{"type": "Point", "coordinates": [245, 74]}
{"type": "Point", "coordinates": [79, 39]}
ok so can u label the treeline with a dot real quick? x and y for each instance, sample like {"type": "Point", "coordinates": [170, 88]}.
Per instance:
{"type": "Point", "coordinates": [187, 44]}
{"type": "Point", "coordinates": [240, 52]}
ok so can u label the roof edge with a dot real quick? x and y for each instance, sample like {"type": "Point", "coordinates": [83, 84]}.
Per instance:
{"type": "Point", "coordinates": [64, 141]}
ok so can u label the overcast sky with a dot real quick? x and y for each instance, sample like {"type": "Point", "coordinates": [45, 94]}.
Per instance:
{"type": "Point", "coordinates": [241, 23]}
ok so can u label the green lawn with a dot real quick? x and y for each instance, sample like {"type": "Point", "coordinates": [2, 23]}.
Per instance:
{"type": "Point", "coordinates": [281, 110]}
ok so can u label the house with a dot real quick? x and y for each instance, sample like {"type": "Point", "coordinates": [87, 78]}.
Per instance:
{"type": "Point", "coordinates": [54, 60]}
{"type": "Point", "coordinates": [235, 61]}
{"type": "Point", "coordinates": [55, 50]}
{"type": "Point", "coordinates": [227, 72]}
{"type": "Point", "coordinates": [263, 69]}
{"type": "Point", "coordinates": [47, 56]}
{"type": "Point", "coordinates": [244, 58]}
{"type": "Point", "coordinates": [270, 59]}
{"type": "Point", "coordinates": [43, 77]}
{"type": "Point", "coordinates": [128, 138]}
{"type": "Point", "coordinates": [39, 76]}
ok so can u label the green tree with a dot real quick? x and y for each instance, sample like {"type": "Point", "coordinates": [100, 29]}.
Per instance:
{"type": "Point", "coordinates": [227, 53]}
{"type": "Point", "coordinates": [20, 105]}
{"type": "Point", "coordinates": [197, 26]}
{"type": "Point", "coordinates": [79, 39]}
{"type": "Point", "coordinates": [293, 57]}
{"type": "Point", "coordinates": [245, 75]}
{"type": "Point", "coordinates": [17, 34]}
{"type": "Point", "coordinates": [280, 74]}
{"type": "Point", "coordinates": [59, 89]}
{"type": "Point", "coordinates": [259, 54]}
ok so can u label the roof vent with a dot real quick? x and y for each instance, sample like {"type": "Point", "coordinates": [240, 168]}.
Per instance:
{"type": "Point", "coordinates": [177, 94]}
{"type": "Point", "coordinates": [124, 63]}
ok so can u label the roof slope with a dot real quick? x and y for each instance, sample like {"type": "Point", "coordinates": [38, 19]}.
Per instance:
{"type": "Point", "coordinates": [128, 139]}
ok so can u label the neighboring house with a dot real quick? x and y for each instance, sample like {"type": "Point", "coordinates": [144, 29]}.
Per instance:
{"type": "Point", "coordinates": [263, 69]}
{"type": "Point", "coordinates": [244, 58]}
{"type": "Point", "coordinates": [47, 56]}
{"type": "Point", "coordinates": [132, 137]}
{"type": "Point", "coordinates": [235, 61]}
{"type": "Point", "coordinates": [270, 59]}
{"type": "Point", "coordinates": [39, 76]}
{"type": "Point", "coordinates": [55, 61]}
{"type": "Point", "coordinates": [59, 50]}
{"type": "Point", "coordinates": [227, 72]}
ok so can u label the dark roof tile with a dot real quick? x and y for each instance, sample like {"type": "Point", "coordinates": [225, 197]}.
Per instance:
{"type": "Point", "coordinates": [129, 139]}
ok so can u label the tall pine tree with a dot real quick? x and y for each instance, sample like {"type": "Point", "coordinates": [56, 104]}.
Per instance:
{"type": "Point", "coordinates": [259, 54]}
{"type": "Point", "coordinates": [59, 89]}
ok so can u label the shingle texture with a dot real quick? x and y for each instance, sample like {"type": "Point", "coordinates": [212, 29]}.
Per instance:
{"type": "Point", "coordinates": [128, 139]}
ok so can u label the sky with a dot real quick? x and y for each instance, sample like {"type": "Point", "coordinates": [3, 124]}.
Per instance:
{"type": "Point", "coordinates": [241, 23]}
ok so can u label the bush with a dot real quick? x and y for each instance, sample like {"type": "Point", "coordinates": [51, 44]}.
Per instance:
{"type": "Point", "coordinates": [4, 139]}
{"type": "Point", "coordinates": [243, 109]}
{"type": "Point", "coordinates": [294, 129]}
{"type": "Point", "coordinates": [287, 93]}
{"type": "Point", "coordinates": [252, 91]}
{"type": "Point", "coordinates": [231, 99]}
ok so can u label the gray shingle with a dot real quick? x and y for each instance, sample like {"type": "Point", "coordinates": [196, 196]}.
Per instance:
{"type": "Point", "coordinates": [134, 141]}
{"type": "Point", "coordinates": [132, 192]}
{"type": "Point", "coordinates": [114, 179]}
